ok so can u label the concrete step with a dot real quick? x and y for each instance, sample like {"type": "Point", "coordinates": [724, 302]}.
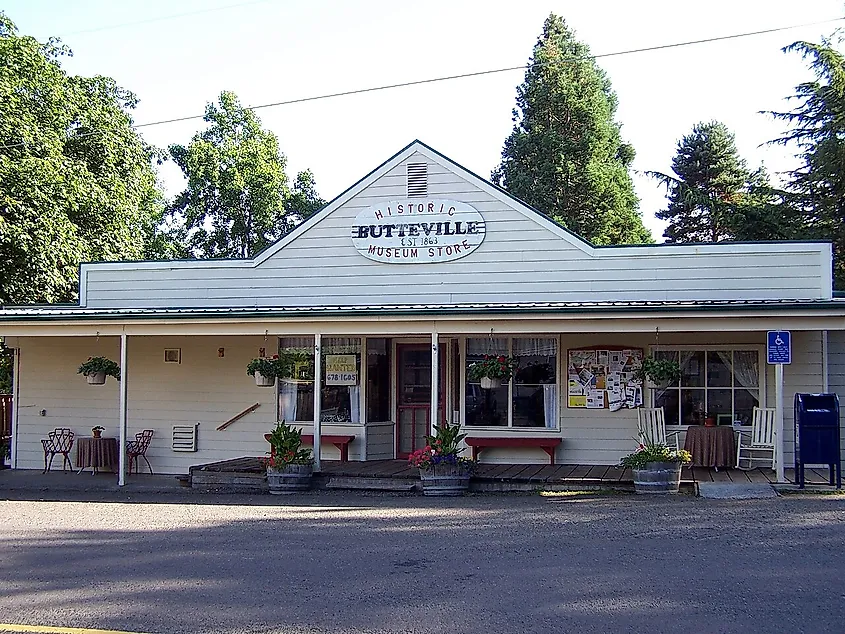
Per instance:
{"type": "Point", "coordinates": [372, 484]}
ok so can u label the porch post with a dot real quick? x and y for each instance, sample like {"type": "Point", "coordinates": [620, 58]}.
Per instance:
{"type": "Point", "coordinates": [121, 479]}
{"type": "Point", "coordinates": [779, 421]}
{"type": "Point", "coordinates": [16, 403]}
{"type": "Point", "coordinates": [318, 371]}
{"type": "Point", "coordinates": [435, 375]}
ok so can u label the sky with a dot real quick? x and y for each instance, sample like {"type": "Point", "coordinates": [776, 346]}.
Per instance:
{"type": "Point", "coordinates": [179, 55]}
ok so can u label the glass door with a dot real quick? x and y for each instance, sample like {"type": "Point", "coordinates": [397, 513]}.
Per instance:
{"type": "Point", "coordinates": [413, 366]}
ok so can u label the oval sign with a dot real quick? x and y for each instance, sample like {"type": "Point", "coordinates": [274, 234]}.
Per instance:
{"type": "Point", "coordinates": [418, 231]}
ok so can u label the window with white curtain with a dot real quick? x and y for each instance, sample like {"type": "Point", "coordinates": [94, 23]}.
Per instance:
{"type": "Point", "coordinates": [530, 399]}
{"type": "Point", "coordinates": [724, 384]}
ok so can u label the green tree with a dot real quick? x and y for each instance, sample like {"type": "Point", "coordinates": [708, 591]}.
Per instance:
{"type": "Point", "coordinates": [565, 155]}
{"type": "Point", "coordinates": [710, 185]}
{"type": "Point", "coordinates": [816, 126]}
{"type": "Point", "coordinates": [77, 183]}
{"type": "Point", "coordinates": [237, 200]}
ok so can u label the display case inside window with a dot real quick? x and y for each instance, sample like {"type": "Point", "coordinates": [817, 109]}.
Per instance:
{"type": "Point", "coordinates": [535, 382]}
{"type": "Point", "coordinates": [485, 407]}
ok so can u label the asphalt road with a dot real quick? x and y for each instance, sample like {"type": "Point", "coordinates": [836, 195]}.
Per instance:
{"type": "Point", "coordinates": [341, 562]}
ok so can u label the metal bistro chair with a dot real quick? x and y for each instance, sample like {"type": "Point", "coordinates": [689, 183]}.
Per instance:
{"type": "Point", "coordinates": [138, 449]}
{"type": "Point", "coordinates": [760, 438]}
{"type": "Point", "coordinates": [651, 427]}
{"type": "Point", "coordinates": [58, 441]}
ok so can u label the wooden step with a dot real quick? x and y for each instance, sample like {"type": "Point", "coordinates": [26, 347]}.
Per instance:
{"type": "Point", "coordinates": [372, 484]}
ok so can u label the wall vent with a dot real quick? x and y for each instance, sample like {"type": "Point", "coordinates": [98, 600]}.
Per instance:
{"type": "Point", "coordinates": [184, 437]}
{"type": "Point", "coordinates": [417, 179]}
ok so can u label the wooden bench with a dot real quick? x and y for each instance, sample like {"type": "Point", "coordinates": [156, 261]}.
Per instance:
{"type": "Point", "coordinates": [546, 444]}
{"type": "Point", "coordinates": [341, 442]}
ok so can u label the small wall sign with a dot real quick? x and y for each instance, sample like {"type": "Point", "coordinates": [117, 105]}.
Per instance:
{"type": "Point", "coordinates": [173, 355]}
{"type": "Point", "coordinates": [341, 369]}
{"type": "Point", "coordinates": [418, 231]}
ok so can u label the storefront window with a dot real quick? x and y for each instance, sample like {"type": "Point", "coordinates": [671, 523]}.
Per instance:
{"type": "Point", "coordinates": [341, 393]}
{"type": "Point", "coordinates": [486, 407]}
{"type": "Point", "coordinates": [723, 384]}
{"type": "Point", "coordinates": [530, 400]}
{"type": "Point", "coordinates": [535, 384]}
{"type": "Point", "coordinates": [378, 380]}
{"type": "Point", "coordinates": [296, 392]}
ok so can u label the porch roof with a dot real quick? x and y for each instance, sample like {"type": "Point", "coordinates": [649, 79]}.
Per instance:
{"type": "Point", "coordinates": [75, 313]}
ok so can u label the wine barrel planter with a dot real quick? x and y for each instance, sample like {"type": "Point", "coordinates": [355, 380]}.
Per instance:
{"type": "Point", "coordinates": [658, 477]}
{"type": "Point", "coordinates": [444, 481]}
{"type": "Point", "coordinates": [488, 383]}
{"type": "Point", "coordinates": [264, 381]}
{"type": "Point", "coordinates": [294, 478]}
{"type": "Point", "coordinates": [96, 378]}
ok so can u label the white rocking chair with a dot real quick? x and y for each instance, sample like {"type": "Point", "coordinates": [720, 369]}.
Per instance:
{"type": "Point", "coordinates": [651, 427]}
{"type": "Point", "coordinates": [760, 438]}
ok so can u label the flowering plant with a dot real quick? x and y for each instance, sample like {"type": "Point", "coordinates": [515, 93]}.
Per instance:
{"type": "Point", "coordinates": [492, 367]}
{"type": "Point", "coordinates": [654, 452]}
{"type": "Point", "coordinates": [441, 449]}
{"type": "Point", "coordinates": [99, 364]}
{"type": "Point", "coordinates": [286, 447]}
{"type": "Point", "coordinates": [98, 428]}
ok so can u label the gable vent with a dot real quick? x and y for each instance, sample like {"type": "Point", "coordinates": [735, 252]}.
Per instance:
{"type": "Point", "coordinates": [417, 179]}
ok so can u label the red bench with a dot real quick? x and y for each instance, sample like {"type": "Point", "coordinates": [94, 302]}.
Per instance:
{"type": "Point", "coordinates": [546, 444]}
{"type": "Point", "coordinates": [341, 442]}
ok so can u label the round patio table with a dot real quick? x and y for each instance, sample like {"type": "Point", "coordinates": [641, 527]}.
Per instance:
{"type": "Point", "coordinates": [711, 446]}
{"type": "Point", "coordinates": [97, 453]}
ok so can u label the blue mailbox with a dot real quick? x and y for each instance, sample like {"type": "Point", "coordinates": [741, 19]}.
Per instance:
{"type": "Point", "coordinates": [817, 434]}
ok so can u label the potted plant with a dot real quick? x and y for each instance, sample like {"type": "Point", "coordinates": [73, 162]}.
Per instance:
{"type": "Point", "coordinates": [443, 471]}
{"type": "Point", "coordinates": [265, 370]}
{"type": "Point", "coordinates": [657, 469]}
{"type": "Point", "coordinates": [289, 467]}
{"type": "Point", "coordinates": [97, 431]}
{"type": "Point", "coordinates": [96, 369]}
{"type": "Point", "coordinates": [492, 370]}
{"type": "Point", "coordinates": [659, 373]}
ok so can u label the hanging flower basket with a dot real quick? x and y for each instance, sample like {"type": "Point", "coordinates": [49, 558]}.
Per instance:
{"type": "Point", "coordinates": [490, 383]}
{"type": "Point", "coordinates": [492, 370]}
{"type": "Point", "coordinates": [96, 378]}
{"type": "Point", "coordinates": [264, 381]}
{"type": "Point", "coordinates": [96, 369]}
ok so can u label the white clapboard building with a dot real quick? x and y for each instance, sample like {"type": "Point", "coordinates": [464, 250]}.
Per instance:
{"type": "Point", "coordinates": [390, 292]}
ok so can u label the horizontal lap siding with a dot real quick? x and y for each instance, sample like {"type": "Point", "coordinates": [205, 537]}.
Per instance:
{"type": "Point", "coordinates": [204, 388]}
{"type": "Point", "coordinates": [804, 374]}
{"type": "Point", "coordinates": [381, 442]}
{"type": "Point", "coordinates": [520, 260]}
{"type": "Point", "coordinates": [836, 377]}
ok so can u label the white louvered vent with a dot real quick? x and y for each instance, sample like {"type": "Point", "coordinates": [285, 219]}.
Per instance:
{"type": "Point", "coordinates": [184, 437]}
{"type": "Point", "coordinates": [417, 179]}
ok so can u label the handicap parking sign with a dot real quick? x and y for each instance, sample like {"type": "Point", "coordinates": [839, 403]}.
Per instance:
{"type": "Point", "coordinates": [779, 347]}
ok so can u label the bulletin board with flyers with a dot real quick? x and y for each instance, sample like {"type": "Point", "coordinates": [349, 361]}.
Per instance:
{"type": "Point", "coordinates": [604, 377]}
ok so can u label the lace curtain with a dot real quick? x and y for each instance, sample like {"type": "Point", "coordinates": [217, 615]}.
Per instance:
{"type": "Point", "coordinates": [487, 345]}
{"type": "Point", "coordinates": [534, 347]}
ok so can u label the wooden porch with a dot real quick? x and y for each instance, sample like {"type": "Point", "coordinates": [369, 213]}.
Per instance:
{"type": "Point", "coordinates": [248, 474]}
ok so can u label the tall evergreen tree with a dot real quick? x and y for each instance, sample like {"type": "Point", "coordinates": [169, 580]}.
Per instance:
{"type": "Point", "coordinates": [77, 183]}
{"type": "Point", "coordinates": [816, 189]}
{"type": "Point", "coordinates": [709, 186]}
{"type": "Point", "coordinates": [237, 200]}
{"type": "Point", "coordinates": [565, 155]}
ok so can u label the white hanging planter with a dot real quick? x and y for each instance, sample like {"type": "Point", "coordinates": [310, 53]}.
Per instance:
{"type": "Point", "coordinates": [488, 383]}
{"type": "Point", "coordinates": [264, 381]}
{"type": "Point", "coordinates": [96, 378]}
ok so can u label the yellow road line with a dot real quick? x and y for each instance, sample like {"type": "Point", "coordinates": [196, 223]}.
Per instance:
{"type": "Point", "coordinates": [44, 629]}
